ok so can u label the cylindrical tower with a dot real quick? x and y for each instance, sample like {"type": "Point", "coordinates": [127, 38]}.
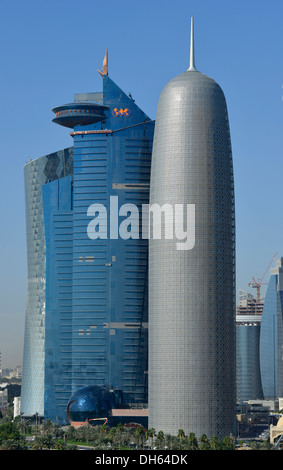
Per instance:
{"type": "Point", "coordinates": [192, 287]}
{"type": "Point", "coordinates": [248, 376]}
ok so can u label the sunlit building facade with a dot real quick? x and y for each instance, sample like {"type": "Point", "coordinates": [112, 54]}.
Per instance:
{"type": "Point", "coordinates": [271, 336]}
{"type": "Point", "coordinates": [36, 174]}
{"type": "Point", "coordinates": [95, 325]}
{"type": "Point", "coordinates": [248, 323]}
{"type": "Point", "coordinates": [192, 361]}
{"type": "Point", "coordinates": [249, 385]}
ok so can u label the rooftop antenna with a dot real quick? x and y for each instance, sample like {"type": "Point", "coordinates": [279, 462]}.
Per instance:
{"type": "Point", "coordinates": [192, 49]}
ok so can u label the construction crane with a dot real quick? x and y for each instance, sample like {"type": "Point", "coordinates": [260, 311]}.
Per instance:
{"type": "Point", "coordinates": [257, 284]}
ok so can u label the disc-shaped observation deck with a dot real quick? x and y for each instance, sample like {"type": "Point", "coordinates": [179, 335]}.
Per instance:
{"type": "Point", "coordinates": [79, 114]}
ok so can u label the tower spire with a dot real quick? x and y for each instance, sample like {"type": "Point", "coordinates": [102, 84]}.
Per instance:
{"type": "Point", "coordinates": [192, 49]}
{"type": "Point", "coordinates": [105, 65]}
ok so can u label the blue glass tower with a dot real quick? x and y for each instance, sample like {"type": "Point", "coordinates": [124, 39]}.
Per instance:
{"type": "Point", "coordinates": [58, 219]}
{"type": "Point", "coordinates": [38, 173]}
{"type": "Point", "coordinates": [271, 336]}
{"type": "Point", "coordinates": [249, 385]}
{"type": "Point", "coordinates": [248, 322]}
{"type": "Point", "coordinates": [96, 289]}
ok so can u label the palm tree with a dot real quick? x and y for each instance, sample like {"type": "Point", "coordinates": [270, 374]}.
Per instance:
{"type": "Point", "coordinates": [172, 442]}
{"type": "Point", "coordinates": [44, 441]}
{"type": "Point", "coordinates": [192, 440]}
{"type": "Point", "coordinates": [89, 433]}
{"type": "Point", "coordinates": [119, 431]}
{"type": "Point", "coordinates": [60, 445]}
{"type": "Point", "coordinates": [204, 443]}
{"type": "Point", "coordinates": [228, 443]}
{"type": "Point", "coordinates": [111, 434]}
{"type": "Point", "coordinates": [181, 435]}
{"type": "Point", "coordinates": [255, 445]}
{"type": "Point", "coordinates": [71, 433]}
{"type": "Point", "coordinates": [13, 444]}
{"type": "Point", "coordinates": [47, 426]}
{"type": "Point", "coordinates": [150, 433]}
{"type": "Point", "coordinates": [140, 435]}
{"type": "Point", "coordinates": [160, 439]}
{"type": "Point", "coordinates": [215, 444]}
{"type": "Point", "coordinates": [266, 445]}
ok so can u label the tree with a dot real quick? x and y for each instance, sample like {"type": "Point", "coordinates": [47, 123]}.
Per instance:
{"type": "Point", "coordinates": [171, 442]}
{"type": "Point", "coordinates": [23, 424]}
{"type": "Point", "coordinates": [204, 443]}
{"type": "Point", "coordinates": [118, 433]}
{"type": "Point", "coordinates": [47, 426]}
{"type": "Point", "coordinates": [13, 444]}
{"type": "Point", "coordinates": [266, 445]}
{"type": "Point", "coordinates": [38, 443]}
{"type": "Point", "coordinates": [71, 433]}
{"type": "Point", "coordinates": [181, 435]}
{"type": "Point", "coordinates": [228, 443]}
{"type": "Point", "coordinates": [255, 445]}
{"type": "Point", "coordinates": [44, 441]}
{"type": "Point", "coordinates": [215, 444]}
{"type": "Point", "coordinates": [9, 430]}
{"type": "Point", "coordinates": [140, 435]}
{"type": "Point", "coordinates": [60, 445]}
{"type": "Point", "coordinates": [192, 441]}
{"type": "Point", "coordinates": [150, 433]}
{"type": "Point", "coordinates": [160, 439]}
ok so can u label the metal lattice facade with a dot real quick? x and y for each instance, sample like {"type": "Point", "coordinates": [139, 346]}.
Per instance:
{"type": "Point", "coordinates": [192, 292]}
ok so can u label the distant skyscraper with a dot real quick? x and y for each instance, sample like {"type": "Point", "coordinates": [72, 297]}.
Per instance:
{"type": "Point", "coordinates": [248, 322]}
{"type": "Point", "coordinates": [192, 356]}
{"type": "Point", "coordinates": [96, 324]}
{"type": "Point", "coordinates": [271, 336]}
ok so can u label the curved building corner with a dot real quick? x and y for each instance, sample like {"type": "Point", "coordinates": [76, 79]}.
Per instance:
{"type": "Point", "coordinates": [271, 335]}
{"type": "Point", "coordinates": [37, 173]}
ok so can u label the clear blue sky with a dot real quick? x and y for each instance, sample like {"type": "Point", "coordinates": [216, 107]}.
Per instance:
{"type": "Point", "coordinates": [51, 50]}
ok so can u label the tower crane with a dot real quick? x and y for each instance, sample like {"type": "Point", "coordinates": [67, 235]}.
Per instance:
{"type": "Point", "coordinates": [257, 284]}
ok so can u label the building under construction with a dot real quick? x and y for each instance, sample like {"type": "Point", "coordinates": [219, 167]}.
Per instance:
{"type": "Point", "coordinates": [249, 305]}
{"type": "Point", "coordinates": [248, 328]}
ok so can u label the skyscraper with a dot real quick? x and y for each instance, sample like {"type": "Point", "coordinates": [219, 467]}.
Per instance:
{"type": "Point", "coordinates": [96, 325]}
{"type": "Point", "coordinates": [36, 174]}
{"type": "Point", "coordinates": [271, 336]}
{"type": "Point", "coordinates": [248, 322]}
{"type": "Point", "coordinates": [192, 285]}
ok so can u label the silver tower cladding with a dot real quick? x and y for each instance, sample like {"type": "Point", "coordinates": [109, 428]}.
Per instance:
{"type": "Point", "coordinates": [192, 357]}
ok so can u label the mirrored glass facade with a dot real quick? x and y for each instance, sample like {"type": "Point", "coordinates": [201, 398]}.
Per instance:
{"type": "Point", "coordinates": [93, 404]}
{"type": "Point", "coordinates": [93, 331]}
{"type": "Point", "coordinates": [37, 173]}
{"type": "Point", "coordinates": [271, 336]}
{"type": "Point", "coordinates": [110, 315]}
{"type": "Point", "coordinates": [58, 221]}
{"type": "Point", "coordinates": [249, 385]}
